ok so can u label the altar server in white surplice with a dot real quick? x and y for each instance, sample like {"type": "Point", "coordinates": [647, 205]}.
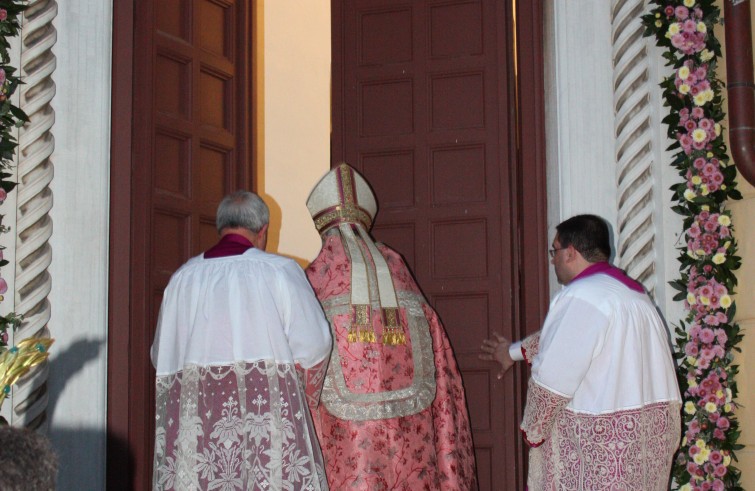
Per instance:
{"type": "Point", "coordinates": [241, 344]}
{"type": "Point", "coordinates": [603, 404]}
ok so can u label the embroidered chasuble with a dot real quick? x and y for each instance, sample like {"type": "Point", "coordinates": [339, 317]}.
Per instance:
{"type": "Point", "coordinates": [603, 404]}
{"type": "Point", "coordinates": [392, 414]}
{"type": "Point", "coordinates": [241, 344]}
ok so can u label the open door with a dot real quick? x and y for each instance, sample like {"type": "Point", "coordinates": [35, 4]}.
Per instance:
{"type": "Point", "coordinates": [439, 105]}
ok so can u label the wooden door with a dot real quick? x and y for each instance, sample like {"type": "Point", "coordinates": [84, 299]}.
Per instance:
{"type": "Point", "coordinates": [429, 104]}
{"type": "Point", "coordinates": [188, 144]}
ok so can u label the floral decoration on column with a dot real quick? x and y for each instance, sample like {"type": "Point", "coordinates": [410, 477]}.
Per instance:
{"type": "Point", "coordinates": [708, 337]}
{"type": "Point", "coordinates": [17, 360]}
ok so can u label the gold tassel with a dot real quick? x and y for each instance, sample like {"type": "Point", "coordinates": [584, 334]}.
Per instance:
{"type": "Point", "coordinates": [361, 325]}
{"type": "Point", "coordinates": [393, 335]}
{"type": "Point", "coordinates": [367, 335]}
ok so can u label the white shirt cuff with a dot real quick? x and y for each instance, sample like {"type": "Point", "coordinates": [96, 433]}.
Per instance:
{"type": "Point", "coordinates": [515, 351]}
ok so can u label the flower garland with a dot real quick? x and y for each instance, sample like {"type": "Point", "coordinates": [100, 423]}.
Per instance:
{"type": "Point", "coordinates": [11, 118]}
{"type": "Point", "coordinates": [708, 337]}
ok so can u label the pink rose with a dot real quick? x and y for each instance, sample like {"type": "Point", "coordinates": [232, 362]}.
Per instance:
{"type": "Point", "coordinates": [721, 337]}
{"type": "Point", "coordinates": [691, 349]}
{"type": "Point", "coordinates": [3, 14]}
{"type": "Point", "coordinates": [3, 193]}
{"type": "Point", "coordinates": [706, 336]}
{"type": "Point", "coordinates": [3, 286]}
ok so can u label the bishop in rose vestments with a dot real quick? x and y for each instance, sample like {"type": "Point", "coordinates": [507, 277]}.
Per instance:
{"type": "Point", "coordinates": [241, 343]}
{"type": "Point", "coordinates": [392, 413]}
{"type": "Point", "coordinates": [603, 404]}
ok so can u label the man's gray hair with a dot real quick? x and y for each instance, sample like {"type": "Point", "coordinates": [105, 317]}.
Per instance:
{"type": "Point", "coordinates": [242, 209]}
{"type": "Point", "coordinates": [29, 462]}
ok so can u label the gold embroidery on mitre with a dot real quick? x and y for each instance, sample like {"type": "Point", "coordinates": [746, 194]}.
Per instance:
{"type": "Point", "coordinates": [392, 333]}
{"type": "Point", "coordinates": [336, 215]}
{"type": "Point", "coordinates": [347, 185]}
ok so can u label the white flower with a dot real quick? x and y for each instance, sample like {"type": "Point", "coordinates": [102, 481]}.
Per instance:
{"type": "Point", "coordinates": [684, 72]}
{"type": "Point", "coordinates": [689, 407]}
{"type": "Point", "coordinates": [725, 301]}
{"type": "Point", "coordinates": [701, 27]}
{"type": "Point", "coordinates": [699, 135]}
{"type": "Point", "coordinates": [674, 28]}
{"type": "Point", "coordinates": [700, 99]}
{"type": "Point", "coordinates": [724, 220]}
{"type": "Point", "coordinates": [689, 195]}
{"type": "Point", "coordinates": [719, 258]}
{"type": "Point", "coordinates": [701, 457]}
{"type": "Point", "coordinates": [706, 55]}
{"type": "Point", "coordinates": [684, 89]}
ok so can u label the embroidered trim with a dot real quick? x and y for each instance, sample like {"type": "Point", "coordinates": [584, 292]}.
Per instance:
{"type": "Point", "coordinates": [530, 347]}
{"type": "Point", "coordinates": [626, 449]}
{"type": "Point", "coordinates": [345, 404]}
{"type": "Point", "coordinates": [333, 216]}
{"type": "Point", "coordinates": [540, 412]}
{"type": "Point", "coordinates": [237, 426]}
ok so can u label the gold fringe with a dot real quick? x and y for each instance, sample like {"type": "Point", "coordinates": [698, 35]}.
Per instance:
{"type": "Point", "coordinates": [352, 337]}
{"type": "Point", "coordinates": [393, 334]}
{"type": "Point", "coordinates": [394, 337]}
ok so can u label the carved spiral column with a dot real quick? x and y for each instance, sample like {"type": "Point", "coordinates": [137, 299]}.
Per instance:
{"type": "Point", "coordinates": [634, 144]}
{"type": "Point", "coordinates": [34, 226]}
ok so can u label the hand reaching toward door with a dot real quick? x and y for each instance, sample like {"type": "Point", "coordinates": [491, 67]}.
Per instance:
{"type": "Point", "coordinates": [497, 349]}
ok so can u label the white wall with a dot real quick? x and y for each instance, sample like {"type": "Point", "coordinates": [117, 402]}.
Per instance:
{"type": "Point", "coordinates": [293, 117]}
{"type": "Point", "coordinates": [80, 241]}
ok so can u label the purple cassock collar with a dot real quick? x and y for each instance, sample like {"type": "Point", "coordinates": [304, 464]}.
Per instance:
{"type": "Point", "coordinates": [604, 268]}
{"type": "Point", "coordinates": [229, 245]}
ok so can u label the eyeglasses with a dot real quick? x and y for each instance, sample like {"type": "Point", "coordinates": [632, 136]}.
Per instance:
{"type": "Point", "coordinates": [552, 252]}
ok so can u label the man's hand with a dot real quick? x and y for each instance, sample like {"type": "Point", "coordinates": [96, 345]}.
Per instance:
{"type": "Point", "coordinates": [497, 349]}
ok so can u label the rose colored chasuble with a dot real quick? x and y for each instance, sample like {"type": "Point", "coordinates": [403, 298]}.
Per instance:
{"type": "Point", "coordinates": [240, 350]}
{"type": "Point", "coordinates": [392, 414]}
{"type": "Point", "coordinates": [603, 404]}
{"type": "Point", "coordinates": [365, 446]}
